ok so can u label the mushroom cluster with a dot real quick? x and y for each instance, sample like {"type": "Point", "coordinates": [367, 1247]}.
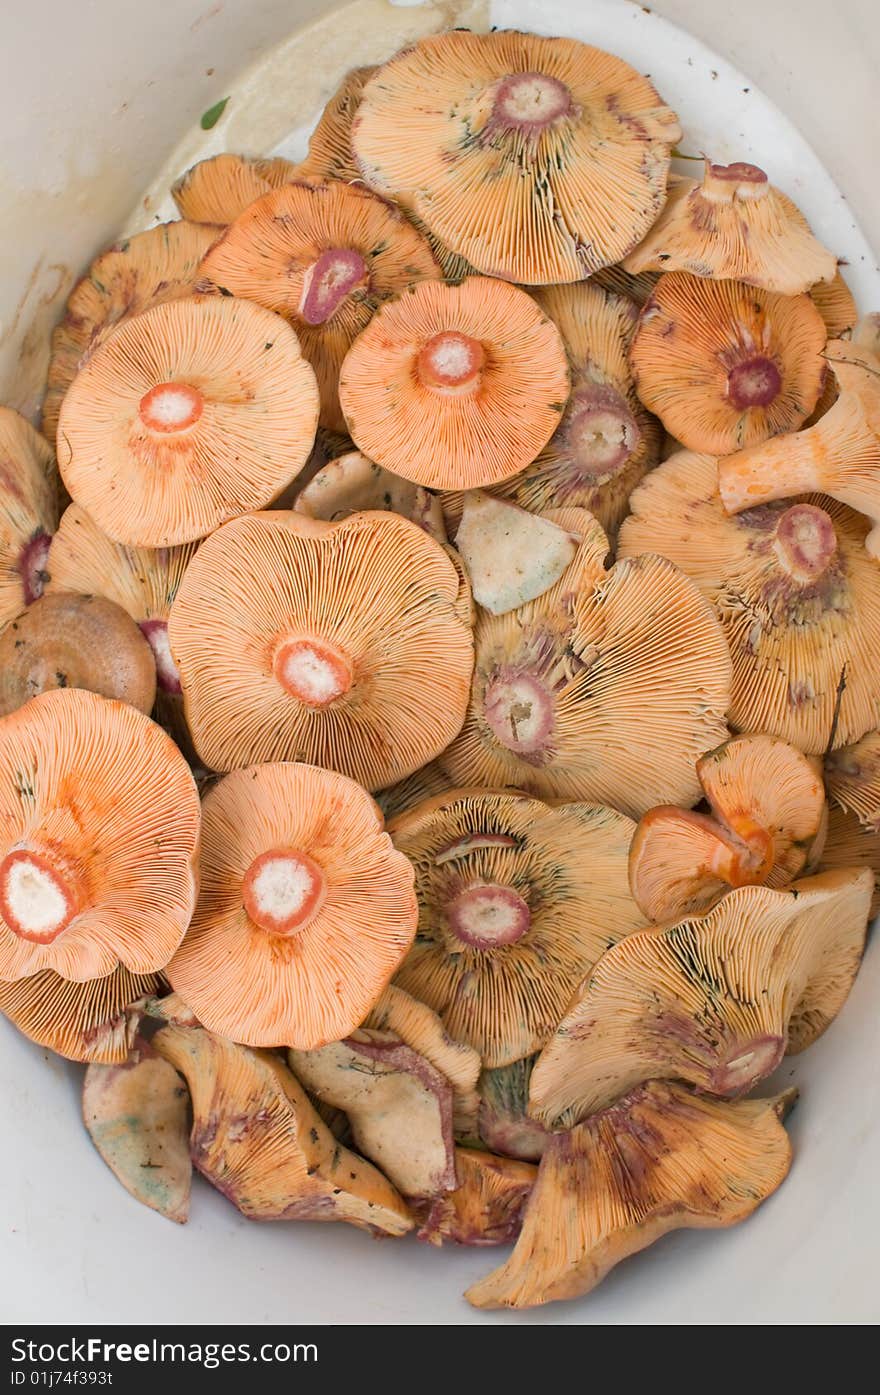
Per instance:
{"type": "Point", "coordinates": [359, 514]}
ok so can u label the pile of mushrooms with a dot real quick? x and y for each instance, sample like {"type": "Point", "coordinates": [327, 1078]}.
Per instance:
{"type": "Point", "coordinates": [366, 519]}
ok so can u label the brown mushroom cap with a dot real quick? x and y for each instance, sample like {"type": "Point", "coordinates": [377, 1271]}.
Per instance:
{"type": "Point", "coordinates": [100, 820]}
{"type": "Point", "coordinates": [725, 365]}
{"type": "Point", "coordinates": [82, 1021]}
{"type": "Point", "coordinates": [455, 387]}
{"type": "Point", "coordinates": [734, 226]}
{"type": "Point", "coordinates": [216, 190]}
{"type": "Point", "coordinates": [661, 1159]}
{"type": "Point", "coordinates": [147, 269]}
{"type": "Point", "coordinates": [353, 483]}
{"type": "Point", "coordinates": [67, 640]}
{"type": "Point", "coordinates": [305, 909]}
{"type": "Point", "coordinates": [326, 256]}
{"type": "Point", "coordinates": [191, 413]}
{"type": "Point", "coordinates": [517, 901]}
{"type": "Point", "coordinates": [606, 441]}
{"type": "Point", "coordinates": [852, 777]}
{"type": "Point", "coordinates": [357, 656]}
{"type": "Point", "coordinates": [768, 803]}
{"type": "Point", "coordinates": [607, 688]}
{"type": "Point", "coordinates": [28, 512]}
{"type": "Point", "coordinates": [796, 593]}
{"type": "Point", "coordinates": [136, 1116]}
{"type": "Point", "coordinates": [539, 160]}
{"type": "Point", "coordinates": [714, 1001]}
{"type": "Point", "coordinates": [487, 1206]}
{"type": "Point", "coordinates": [258, 1140]}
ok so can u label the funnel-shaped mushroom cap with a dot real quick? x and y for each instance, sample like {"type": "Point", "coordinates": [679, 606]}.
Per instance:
{"type": "Point", "coordinates": [516, 903]}
{"type": "Point", "coordinates": [486, 1207]}
{"type": "Point", "coordinates": [511, 556]}
{"type": "Point", "coordinates": [66, 640]}
{"type": "Point", "coordinates": [324, 255]}
{"type": "Point", "coordinates": [539, 160]}
{"type": "Point", "coordinates": [82, 1021]}
{"type": "Point", "coordinates": [661, 1160]}
{"type": "Point", "coordinates": [216, 190]}
{"type": "Point", "coordinates": [839, 455]}
{"type": "Point", "coordinates": [607, 688]}
{"type": "Point", "coordinates": [768, 803]}
{"type": "Point", "coordinates": [330, 154]}
{"type": "Point", "coordinates": [304, 913]}
{"type": "Point", "coordinates": [188, 415]}
{"type": "Point", "coordinates": [100, 830]}
{"type": "Point", "coordinates": [504, 1123]}
{"type": "Point", "coordinates": [28, 512]}
{"type": "Point", "coordinates": [347, 644]}
{"type": "Point", "coordinates": [852, 776]}
{"type": "Point", "coordinates": [398, 1105]}
{"type": "Point", "coordinates": [147, 269]}
{"type": "Point", "coordinates": [455, 387]}
{"type": "Point", "coordinates": [423, 784]}
{"type": "Point", "coordinates": [734, 226]}
{"type": "Point", "coordinates": [725, 365]}
{"type": "Point", "coordinates": [714, 1001]}
{"type": "Point", "coordinates": [136, 1115]}
{"type": "Point", "coordinates": [606, 441]}
{"type": "Point", "coordinates": [259, 1140]}
{"type": "Point", "coordinates": [353, 483]}
{"type": "Point", "coordinates": [796, 593]}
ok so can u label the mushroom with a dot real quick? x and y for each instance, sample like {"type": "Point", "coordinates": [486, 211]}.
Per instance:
{"type": "Point", "coordinates": [835, 303]}
{"type": "Point", "coordinates": [422, 784]}
{"type": "Point", "coordinates": [330, 154]}
{"type": "Point", "coordinates": [136, 1114]}
{"type": "Point", "coordinates": [660, 1160]}
{"type": "Point", "coordinates": [606, 441]}
{"type": "Point", "coordinates": [734, 226]}
{"type": "Point", "coordinates": [147, 269]}
{"type": "Point", "coordinates": [347, 644]}
{"type": "Point", "coordinates": [304, 913]}
{"type": "Point", "coordinates": [768, 807]}
{"type": "Point", "coordinates": [538, 159]}
{"type": "Point", "coordinates": [143, 581]}
{"type": "Point", "coordinates": [486, 1207]}
{"type": "Point", "coordinates": [191, 413]}
{"type": "Point", "coordinates": [100, 820]}
{"type": "Point", "coordinates": [511, 556]}
{"type": "Point", "coordinates": [796, 593]}
{"type": "Point", "coordinates": [65, 640]}
{"type": "Point", "coordinates": [615, 279]}
{"type": "Point", "coordinates": [259, 1141]}
{"type": "Point", "coordinates": [839, 455]}
{"type": "Point", "coordinates": [866, 334]}
{"type": "Point", "coordinates": [516, 902]}
{"type": "Point", "coordinates": [326, 256]}
{"type": "Point", "coordinates": [81, 1021]}
{"type": "Point", "coordinates": [398, 1105]}
{"type": "Point", "coordinates": [455, 386]}
{"type": "Point", "coordinates": [607, 688]}
{"type": "Point", "coordinates": [725, 365]}
{"type": "Point", "coordinates": [715, 1001]}
{"type": "Point", "coordinates": [216, 190]}
{"type": "Point", "coordinates": [353, 483]}
{"type": "Point", "coordinates": [504, 1123]}
{"type": "Point", "coordinates": [852, 777]}
{"type": "Point", "coordinates": [28, 513]}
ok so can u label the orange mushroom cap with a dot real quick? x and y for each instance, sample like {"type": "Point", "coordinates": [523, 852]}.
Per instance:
{"type": "Point", "coordinates": [455, 386]}
{"type": "Point", "coordinates": [734, 226]}
{"type": "Point", "coordinates": [100, 830]}
{"type": "Point", "coordinates": [216, 190]}
{"type": "Point", "coordinates": [517, 901]}
{"type": "Point", "coordinates": [538, 159]}
{"type": "Point", "coordinates": [324, 255]}
{"type": "Point", "coordinates": [346, 644]}
{"type": "Point", "coordinates": [606, 688]}
{"type": "Point", "coordinates": [305, 909]}
{"type": "Point", "coordinates": [796, 593]}
{"type": "Point", "coordinates": [606, 441]}
{"type": "Point", "coordinates": [81, 1021]}
{"type": "Point", "coordinates": [725, 365]}
{"type": "Point", "coordinates": [28, 512]}
{"type": "Point", "coordinates": [147, 269]}
{"type": "Point", "coordinates": [191, 413]}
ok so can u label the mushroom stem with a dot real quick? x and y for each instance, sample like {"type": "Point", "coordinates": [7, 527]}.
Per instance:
{"type": "Point", "coordinates": [315, 672]}
{"type": "Point", "coordinates": [282, 891]}
{"type": "Point", "coordinates": [32, 565]}
{"type": "Point", "coordinates": [601, 432]}
{"type": "Point", "coordinates": [486, 916]}
{"type": "Point", "coordinates": [170, 407]}
{"type": "Point", "coordinates": [529, 103]}
{"type": "Point", "coordinates": [451, 362]}
{"type": "Point", "coordinates": [39, 894]}
{"type": "Point", "coordinates": [726, 183]}
{"type": "Point", "coordinates": [805, 543]}
{"type": "Point", "coordinates": [756, 382]}
{"type": "Point", "coordinates": [520, 712]}
{"type": "Point", "coordinates": [155, 632]}
{"type": "Point", "coordinates": [328, 281]}
{"type": "Point", "coordinates": [753, 1061]}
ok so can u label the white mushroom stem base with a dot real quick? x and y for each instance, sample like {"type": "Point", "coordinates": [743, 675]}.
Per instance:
{"type": "Point", "coordinates": [283, 890]}
{"type": "Point", "coordinates": [38, 897]}
{"type": "Point", "coordinates": [487, 916]}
